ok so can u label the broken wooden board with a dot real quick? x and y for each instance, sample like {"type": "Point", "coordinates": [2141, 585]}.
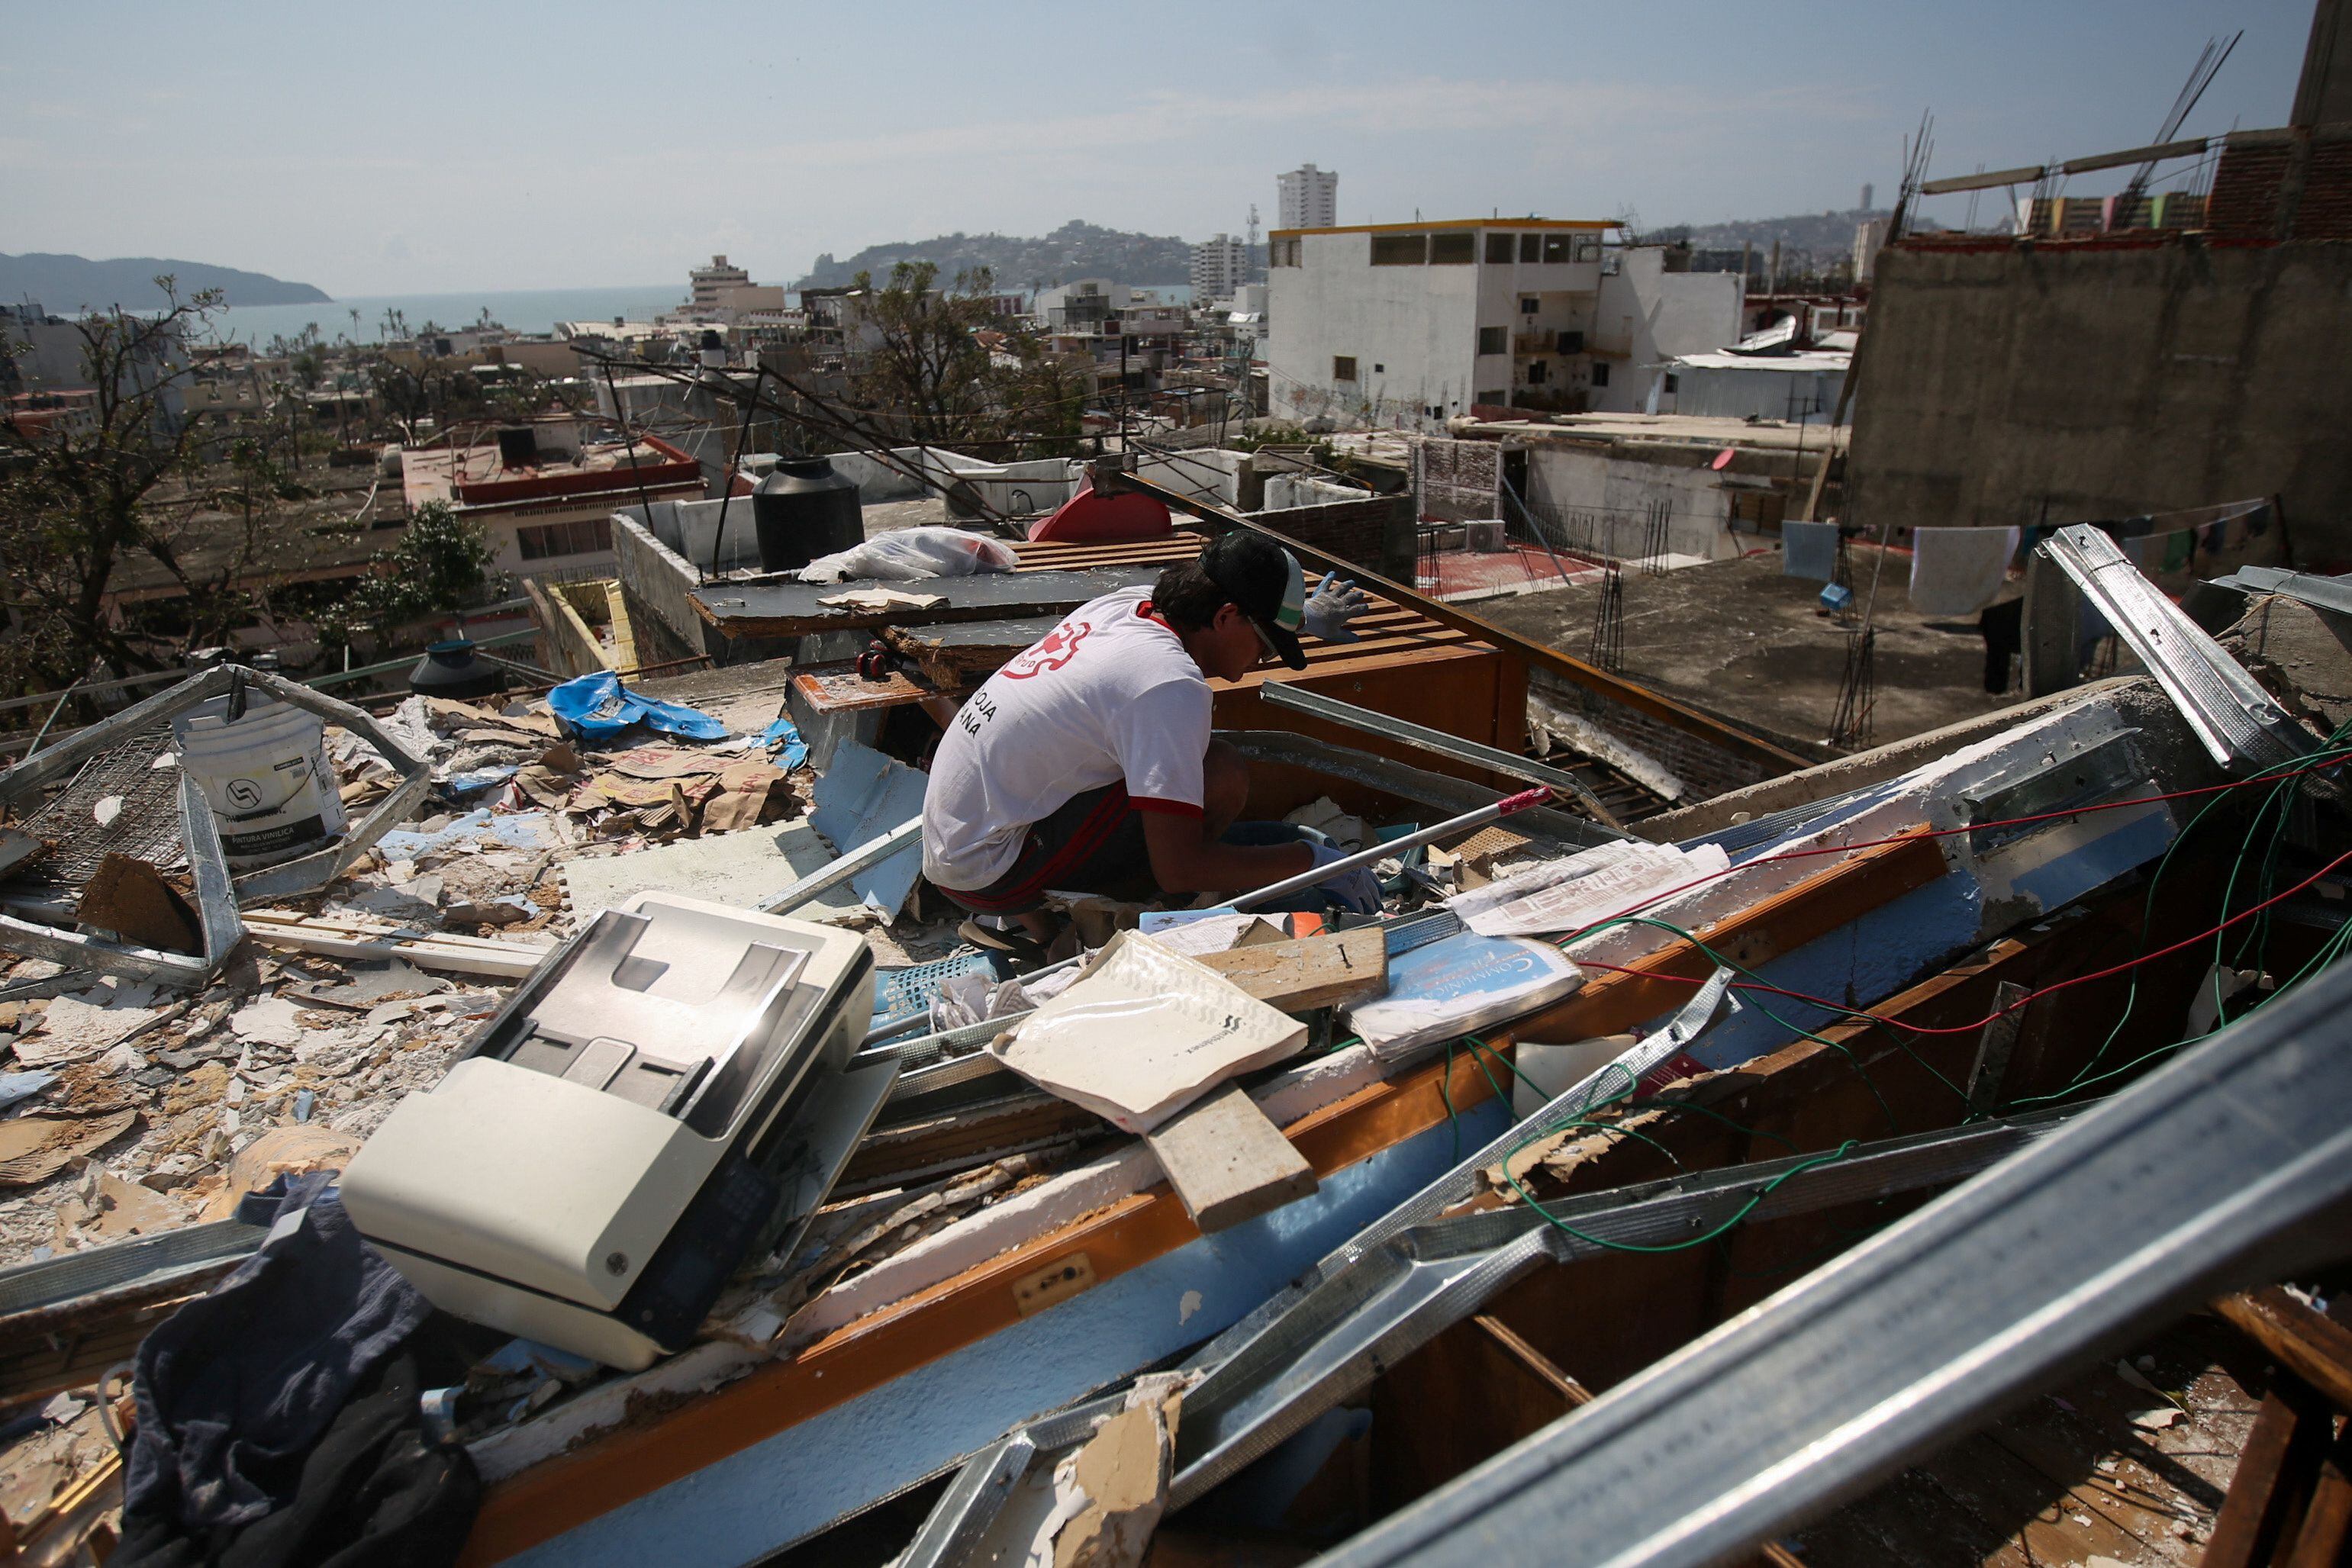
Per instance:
{"type": "Point", "coordinates": [837, 688]}
{"type": "Point", "coordinates": [796, 609]}
{"type": "Point", "coordinates": [346, 938]}
{"type": "Point", "coordinates": [1228, 1161]}
{"type": "Point", "coordinates": [1336, 970]}
{"type": "Point", "coordinates": [969, 653]}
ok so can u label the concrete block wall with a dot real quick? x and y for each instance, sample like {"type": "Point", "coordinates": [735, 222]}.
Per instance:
{"type": "Point", "coordinates": [2011, 384]}
{"type": "Point", "coordinates": [1375, 532]}
{"type": "Point", "coordinates": [1708, 769]}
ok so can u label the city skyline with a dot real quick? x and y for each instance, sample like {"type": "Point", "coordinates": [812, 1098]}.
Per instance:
{"type": "Point", "coordinates": [553, 173]}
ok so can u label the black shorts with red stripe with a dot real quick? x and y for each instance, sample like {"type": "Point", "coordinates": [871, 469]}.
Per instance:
{"type": "Point", "coordinates": [1092, 843]}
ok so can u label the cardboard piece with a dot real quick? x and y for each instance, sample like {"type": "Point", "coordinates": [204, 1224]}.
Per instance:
{"type": "Point", "coordinates": [35, 1148]}
{"type": "Point", "coordinates": [1144, 1032]}
{"type": "Point", "coordinates": [131, 898]}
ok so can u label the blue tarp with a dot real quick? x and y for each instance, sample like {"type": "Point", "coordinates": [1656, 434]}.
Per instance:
{"type": "Point", "coordinates": [599, 708]}
{"type": "Point", "coordinates": [785, 747]}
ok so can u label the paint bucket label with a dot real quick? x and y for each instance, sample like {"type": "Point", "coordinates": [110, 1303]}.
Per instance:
{"type": "Point", "coordinates": [265, 776]}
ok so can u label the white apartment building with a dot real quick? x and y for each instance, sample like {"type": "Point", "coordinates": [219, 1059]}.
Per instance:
{"type": "Point", "coordinates": [1408, 325]}
{"type": "Point", "coordinates": [1217, 267]}
{"type": "Point", "coordinates": [711, 282]}
{"type": "Point", "coordinates": [1306, 198]}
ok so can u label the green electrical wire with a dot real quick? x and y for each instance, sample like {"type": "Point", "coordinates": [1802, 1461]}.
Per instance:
{"type": "Point", "coordinates": [1743, 1210]}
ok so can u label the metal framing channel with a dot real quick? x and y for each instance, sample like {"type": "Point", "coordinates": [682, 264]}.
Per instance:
{"type": "Point", "coordinates": [1315, 705]}
{"type": "Point", "coordinates": [2226, 707]}
{"type": "Point", "coordinates": [1439, 1273]}
{"type": "Point", "coordinates": [298, 875]}
{"type": "Point", "coordinates": [2333, 594]}
{"type": "Point", "coordinates": [2230, 1164]}
{"type": "Point", "coordinates": [222, 928]}
{"type": "Point", "coordinates": [1430, 1277]}
{"type": "Point", "coordinates": [1436, 790]}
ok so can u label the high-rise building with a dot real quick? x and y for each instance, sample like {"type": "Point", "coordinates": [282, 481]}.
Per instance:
{"type": "Point", "coordinates": [1869, 237]}
{"type": "Point", "coordinates": [1217, 268]}
{"type": "Point", "coordinates": [1868, 191]}
{"type": "Point", "coordinates": [710, 280]}
{"type": "Point", "coordinates": [1308, 198]}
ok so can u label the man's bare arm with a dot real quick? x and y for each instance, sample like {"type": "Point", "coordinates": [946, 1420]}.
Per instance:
{"type": "Point", "coordinates": [1185, 858]}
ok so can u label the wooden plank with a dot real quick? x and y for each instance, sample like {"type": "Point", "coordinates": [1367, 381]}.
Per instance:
{"type": "Point", "coordinates": [1227, 1162]}
{"type": "Point", "coordinates": [2317, 1349]}
{"type": "Point", "coordinates": [837, 688]}
{"type": "Point", "coordinates": [792, 608]}
{"type": "Point", "coordinates": [2327, 1523]}
{"type": "Point", "coordinates": [2265, 1509]}
{"type": "Point", "coordinates": [1295, 977]}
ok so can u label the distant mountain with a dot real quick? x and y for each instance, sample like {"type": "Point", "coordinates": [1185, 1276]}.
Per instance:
{"type": "Point", "coordinates": [1822, 233]}
{"type": "Point", "coordinates": [68, 283]}
{"type": "Point", "coordinates": [1074, 250]}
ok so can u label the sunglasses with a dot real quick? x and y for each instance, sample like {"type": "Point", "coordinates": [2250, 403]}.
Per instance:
{"type": "Point", "coordinates": [1264, 640]}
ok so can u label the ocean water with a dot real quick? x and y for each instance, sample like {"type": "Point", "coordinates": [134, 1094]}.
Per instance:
{"type": "Point", "coordinates": [516, 309]}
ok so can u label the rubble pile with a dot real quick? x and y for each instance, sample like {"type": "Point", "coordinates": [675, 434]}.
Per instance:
{"type": "Point", "coordinates": [132, 1109]}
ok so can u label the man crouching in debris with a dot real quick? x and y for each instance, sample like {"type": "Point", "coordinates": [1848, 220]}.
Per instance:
{"type": "Point", "coordinates": [1086, 764]}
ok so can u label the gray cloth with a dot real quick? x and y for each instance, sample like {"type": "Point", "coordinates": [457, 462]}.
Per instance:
{"type": "Point", "coordinates": [235, 1387]}
{"type": "Point", "coordinates": [1959, 571]}
{"type": "Point", "coordinates": [1809, 549]}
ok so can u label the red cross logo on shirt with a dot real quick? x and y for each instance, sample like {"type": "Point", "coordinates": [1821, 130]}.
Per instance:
{"type": "Point", "coordinates": [1052, 650]}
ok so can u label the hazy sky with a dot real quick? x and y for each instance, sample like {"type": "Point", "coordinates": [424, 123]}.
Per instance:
{"type": "Point", "coordinates": [428, 147]}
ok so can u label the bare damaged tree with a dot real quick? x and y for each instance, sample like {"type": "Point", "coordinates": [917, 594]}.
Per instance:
{"type": "Point", "coordinates": [924, 369]}
{"type": "Point", "coordinates": [108, 482]}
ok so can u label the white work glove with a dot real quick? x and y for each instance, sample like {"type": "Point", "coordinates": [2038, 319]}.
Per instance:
{"type": "Point", "coordinates": [1335, 602]}
{"type": "Point", "coordinates": [1356, 891]}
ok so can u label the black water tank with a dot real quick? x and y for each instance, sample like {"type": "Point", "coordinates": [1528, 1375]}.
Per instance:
{"type": "Point", "coordinates": [452, 670]}
{"type": "Point", "coordinates": [803, 509]}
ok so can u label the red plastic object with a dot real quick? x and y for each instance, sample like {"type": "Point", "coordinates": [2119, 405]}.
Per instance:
{"type": "Point", "coordinates": [1723, 459]}
{"type": "Point", "coordinates": [1090, 518]}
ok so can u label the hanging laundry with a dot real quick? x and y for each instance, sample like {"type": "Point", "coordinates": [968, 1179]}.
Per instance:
{"type": "Point", "coordinates": [1959, 571]}
{"type": "Point", "coordinates": [1809, 551]}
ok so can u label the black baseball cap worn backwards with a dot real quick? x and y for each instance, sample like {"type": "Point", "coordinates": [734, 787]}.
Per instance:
{"type": "Point", "coordinates": [1266, 584]}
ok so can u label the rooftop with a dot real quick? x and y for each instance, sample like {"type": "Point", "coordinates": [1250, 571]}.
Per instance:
{"type": "Point", "coordinates": [1452, 223]}
{"type": "Point", "coordinates": [479, 475]}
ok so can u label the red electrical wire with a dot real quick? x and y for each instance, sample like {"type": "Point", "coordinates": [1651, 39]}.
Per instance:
{"type": "Point", "coordinates": [1999, 1012]}
{"type": "Point", "coordinates": [1949, 832]}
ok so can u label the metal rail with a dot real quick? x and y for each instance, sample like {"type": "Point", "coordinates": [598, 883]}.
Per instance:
{"type": "Point", "coordinates": [2229, 1166]}
{"type": "Point", "coordinates": [1315, 705]}
{"type": "Point", "coordinates": [2225, 707]}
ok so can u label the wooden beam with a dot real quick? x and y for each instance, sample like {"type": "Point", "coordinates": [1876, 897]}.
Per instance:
{"type": "Point", "coordinates": [1639, 698]}
{"type": "Point", "coordinates": [1326, 971]}
{"type": "Point", "coordinates": [1227, 1162]}
{"type": "Point", "coordinates": [2313, 1348]}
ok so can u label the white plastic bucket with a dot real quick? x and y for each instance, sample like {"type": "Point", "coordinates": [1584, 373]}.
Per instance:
{"type": "Point", "coordinates": [265, 776]}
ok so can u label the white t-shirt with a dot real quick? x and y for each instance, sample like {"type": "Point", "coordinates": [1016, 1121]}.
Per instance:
{"type": "Point", "coordinates": [1108, 694]}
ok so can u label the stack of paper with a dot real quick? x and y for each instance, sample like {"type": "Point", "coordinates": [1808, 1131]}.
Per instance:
{"type": "Point", "coordinates": [1462, 983]}
{"type": "Point", "coordinates": [1143, 1033]}
{"type": "Point", "coordinates": [1584, 889]}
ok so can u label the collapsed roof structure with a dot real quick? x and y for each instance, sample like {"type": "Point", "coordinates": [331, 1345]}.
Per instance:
{"type": "Point", "coordinates": [1947, 943]}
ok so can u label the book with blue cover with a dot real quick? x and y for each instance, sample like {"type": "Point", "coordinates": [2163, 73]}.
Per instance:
{"type": "Point", "coordinates": [1460, 984]}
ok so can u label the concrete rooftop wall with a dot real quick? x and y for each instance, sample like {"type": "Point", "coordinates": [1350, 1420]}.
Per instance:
{"type": "Point", "coordinates": [2108, 383]}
